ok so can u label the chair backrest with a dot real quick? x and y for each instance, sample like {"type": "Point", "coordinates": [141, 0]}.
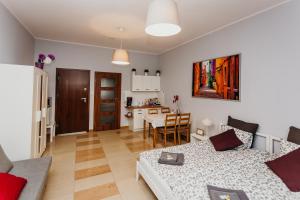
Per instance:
{"type": "Point", "coordinates": [152, 111]}
{"type": "Point", "coordinates": [165, 110]}
{"type": "Point", "coordinates": [171, 120]}
{"type": "Point", "coordinates": [184, 119]}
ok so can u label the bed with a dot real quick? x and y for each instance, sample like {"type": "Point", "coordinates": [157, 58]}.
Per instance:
{"type": "Point", "coordinates": [241, 170]}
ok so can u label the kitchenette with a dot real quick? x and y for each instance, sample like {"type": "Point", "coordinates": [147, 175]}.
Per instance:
{"type": "Point", "coordinates": [145, 94]}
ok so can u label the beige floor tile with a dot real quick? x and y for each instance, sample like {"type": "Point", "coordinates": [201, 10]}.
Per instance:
{"type": "Point", "coordinates": [116, 197]}
{"type": "Point", "coordinates": [60, 197]}
{"type": "Point", "coordinates": [98, 192]}
{"type": "Point", "coordinates": [130, 186]}
{"type": "Point", "coordinates": [93, 181]}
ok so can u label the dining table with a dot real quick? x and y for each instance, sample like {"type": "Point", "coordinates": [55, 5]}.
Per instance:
{"type": "Point", "coordinates": [156, 121]}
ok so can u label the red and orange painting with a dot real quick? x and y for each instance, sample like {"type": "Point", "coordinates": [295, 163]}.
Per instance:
{"type": "Point", "coordinates": [217, 78]}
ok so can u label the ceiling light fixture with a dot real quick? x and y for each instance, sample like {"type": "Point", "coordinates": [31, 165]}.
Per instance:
{"type": "Point", "coordinates": [162, 18]}
{"type": "Point", "coordinates": [120, 56]}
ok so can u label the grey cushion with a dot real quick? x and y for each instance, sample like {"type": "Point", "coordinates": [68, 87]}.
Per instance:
{"type": "Point", "coordinates": [294, 135]}
{"type": "Point", "coordinates": [36, 173]}
{"type": "Point", "coordinates": [5, 163]}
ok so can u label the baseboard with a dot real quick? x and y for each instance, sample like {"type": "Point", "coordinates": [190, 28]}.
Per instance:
{"type": "Point", "coordinates": [67, 134]}
{"type": "Point", "coordinates": [124, 127]}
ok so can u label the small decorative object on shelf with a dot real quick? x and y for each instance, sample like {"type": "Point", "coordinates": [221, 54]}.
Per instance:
{"type": "Point", "coordinates": [157, 73]}
{"type": "Point", "coordinates": [133, 71]}
{"type": "Point", "coordinates": [176, 102]}
{"type": "Point", "coordinates": [200, 132]}
{"type": "Point", "coordinates": [146, 72]}
{"type": "Point", "coordinates": [43, 59]}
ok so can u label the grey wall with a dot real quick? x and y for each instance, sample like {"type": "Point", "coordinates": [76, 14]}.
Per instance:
{"type": "Point", "coordinates": [16, 44]}
{"type": "Point", "coordinates": [94, 59]}
{"type": "Point", "coordinates": [270, 71]}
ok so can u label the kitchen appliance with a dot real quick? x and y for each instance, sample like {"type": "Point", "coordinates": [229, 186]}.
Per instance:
{"type": "Point", "coordinates": [129, 101]}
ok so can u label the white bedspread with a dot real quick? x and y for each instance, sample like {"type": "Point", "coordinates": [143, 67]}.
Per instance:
{"type": "Point", "coordinates": [241, 170]}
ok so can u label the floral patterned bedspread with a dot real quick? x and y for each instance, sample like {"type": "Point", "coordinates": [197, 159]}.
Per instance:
{"type": "Point", "coordinates": [240, 170]}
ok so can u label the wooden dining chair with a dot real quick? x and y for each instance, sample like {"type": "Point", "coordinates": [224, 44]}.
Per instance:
{"type": "Point", "coordinates": [151, 111]}
{"type": "Point", "coordinates": [169, 128]}
{"type": "Point", "coordinates": [165, 110]}
{"type": "Point", "coordinates": [183, 126]}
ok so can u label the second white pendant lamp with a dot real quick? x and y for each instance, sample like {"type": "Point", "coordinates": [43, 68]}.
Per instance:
{"type": "Point", "coordinates": [120, 56]}
{"type": "Point", "coordinates": [162, 18]}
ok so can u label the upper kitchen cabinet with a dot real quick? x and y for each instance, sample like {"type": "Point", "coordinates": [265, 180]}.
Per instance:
{"type": "Point", "coordinates": [137, 83]}
{"type": "Point", "coordinates": [145, 83]}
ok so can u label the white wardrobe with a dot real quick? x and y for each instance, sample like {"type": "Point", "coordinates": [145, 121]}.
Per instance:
{"type": "Point", "coordinates": [23, 107]}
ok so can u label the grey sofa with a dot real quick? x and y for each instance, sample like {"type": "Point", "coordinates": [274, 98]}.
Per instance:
{"type": "Point", "coordinates": [34, 170]}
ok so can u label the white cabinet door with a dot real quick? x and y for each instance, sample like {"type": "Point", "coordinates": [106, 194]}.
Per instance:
{"type": "Point", "coordinates": [155, 83]}
{"type": "Point", "coordinates": [137, 83]}
{"type": "Point", "coordinates": [138, 119]}
{"type": "Point", "coordinates": [147, 83]}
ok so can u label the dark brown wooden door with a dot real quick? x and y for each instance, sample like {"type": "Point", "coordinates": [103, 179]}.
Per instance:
{"type": "Point", "coordinates": [72, 100]}
{"type": "Point", "coordinates": [107, 101]}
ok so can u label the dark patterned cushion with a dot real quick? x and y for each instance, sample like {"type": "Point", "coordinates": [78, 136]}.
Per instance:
{"type": "Point", "coordinates": [287, 169]}
{"type": "Point", "coordinates": [226, 141]}
{"type": "Point", "coordinates": [294, 135]}
{"type": "Point", "coordinates": [242, 125]}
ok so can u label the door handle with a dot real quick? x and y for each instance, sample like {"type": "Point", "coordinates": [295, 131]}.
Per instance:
{"type": "Point", "coordinates": [83, 99]}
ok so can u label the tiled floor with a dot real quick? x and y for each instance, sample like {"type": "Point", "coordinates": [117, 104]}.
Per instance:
{"type": "Point", "coordinates": [97, 165]}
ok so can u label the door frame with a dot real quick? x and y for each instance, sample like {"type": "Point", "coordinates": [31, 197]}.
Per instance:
{"type": "Point", "coordinates": [118, 122]}
{"type": "Point", "coordinates": [88, 92]}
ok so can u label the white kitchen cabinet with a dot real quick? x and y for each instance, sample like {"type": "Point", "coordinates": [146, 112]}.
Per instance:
{"type": "Point", "coordinates": [145, 83]}
{"type": "Point", "coordinates": [137, 122]}
{"type": "Point", "coordinates": [147, 80]}
{"type": "Point", "coordinates": [155, 83]}
{"type": "Point", "coordinates": [137, 83]}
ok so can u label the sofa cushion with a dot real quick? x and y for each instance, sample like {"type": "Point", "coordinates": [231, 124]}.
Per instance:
{"type": "Point", "coordinates": [11, 186]}
{"type": "Point", "coordinates": [5, 163]}
{"type": "Point", "coordinates": [36, 172]}
{"type": "Point", "coordinates": [226, 141]}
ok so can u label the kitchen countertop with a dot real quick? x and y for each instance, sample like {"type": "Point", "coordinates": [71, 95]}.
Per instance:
{"type": "Point", "coordinates": [141, 107]}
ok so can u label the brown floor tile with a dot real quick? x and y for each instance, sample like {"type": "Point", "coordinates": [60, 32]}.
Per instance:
{"type": "Point", "coordinates": [96, 193]}
{"type": "Point", "coordinates": [84, 173]}
{"type": "Point", "coordinates": [89, 135]}
{"type": "Point", "coordinates": [128, 137]}
{"type": "Point", "coordinates": [88, 143]}
{"type": "Point", "coordinates": [139, 146]}
{"type": "Point", "coordinates": [89, 154]}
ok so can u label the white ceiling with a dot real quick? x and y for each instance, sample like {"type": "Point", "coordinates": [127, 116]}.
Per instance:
{"type": "Point", "coordinates": [96, 22]}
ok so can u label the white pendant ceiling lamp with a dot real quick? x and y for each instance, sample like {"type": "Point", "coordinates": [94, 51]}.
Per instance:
{"type": "Point", "coordinates": [120, 56]}
{"type": "Point", "coordinates": [162, 18]}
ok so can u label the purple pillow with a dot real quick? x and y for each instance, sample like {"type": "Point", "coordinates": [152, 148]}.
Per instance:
{"type": "Point", "coordinates": [226, 141]}
{"type": "Point", "coordinates": [287, 168]}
